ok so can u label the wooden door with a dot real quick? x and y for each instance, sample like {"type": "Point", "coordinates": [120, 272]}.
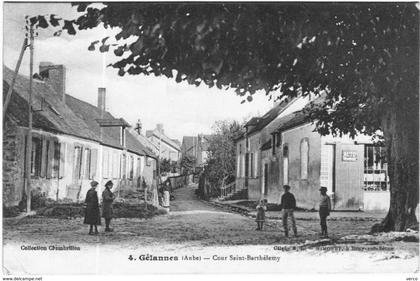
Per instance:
{"type": "Point", "coordinates": [349, 176]}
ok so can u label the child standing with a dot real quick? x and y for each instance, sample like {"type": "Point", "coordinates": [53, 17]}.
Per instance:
{"type": "Point", "coordinates": [261, 208]}
{"type": "Point", "coordinates": [324, 210]}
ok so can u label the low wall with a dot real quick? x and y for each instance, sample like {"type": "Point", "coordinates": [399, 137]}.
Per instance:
{"type": "Point", "coordinates": [376, 200]}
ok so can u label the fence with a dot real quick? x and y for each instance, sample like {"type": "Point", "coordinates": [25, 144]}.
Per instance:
{"type": "Point", "coordinates": [180, 181]}
{"type": "Point", "coordinates": [227, 190]}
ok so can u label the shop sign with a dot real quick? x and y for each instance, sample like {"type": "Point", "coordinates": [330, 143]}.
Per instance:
{"type": "Point", "coordinates": [349, 156]}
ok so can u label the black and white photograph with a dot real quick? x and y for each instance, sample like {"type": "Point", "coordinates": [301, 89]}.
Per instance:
{"type": "Point", "coordinates": [210, 138]}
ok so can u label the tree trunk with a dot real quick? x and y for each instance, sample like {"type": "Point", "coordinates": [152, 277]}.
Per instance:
{"type": "Point", "coordinates": [401, 133]}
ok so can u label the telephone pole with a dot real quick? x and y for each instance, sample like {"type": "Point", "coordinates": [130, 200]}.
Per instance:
{"type": "Point", "coordinates": [29, 136]}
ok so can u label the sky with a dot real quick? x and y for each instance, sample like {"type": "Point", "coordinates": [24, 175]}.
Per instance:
{"type": "Point", "coordinates": [184, 110]}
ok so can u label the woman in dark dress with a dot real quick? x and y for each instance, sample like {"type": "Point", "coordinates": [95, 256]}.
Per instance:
{"type": "Point", "coordinates": [107, 199]}
{"type": "Point", "coordinates": [92, 216]}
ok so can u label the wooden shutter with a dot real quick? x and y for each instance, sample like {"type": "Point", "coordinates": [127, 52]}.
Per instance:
{"type": "Point", "coordinates": [56, 165]}
{"type": "Point", "coordinates": [63, 155]}
{"type": "Point", "coordinates": [105, 163]}
{"type": "Point", "coordinates": [50, 160]}
{"type": "Point", "coordinates": [93, 163]}
{"type": "Point", "coordinates": [256, 164]}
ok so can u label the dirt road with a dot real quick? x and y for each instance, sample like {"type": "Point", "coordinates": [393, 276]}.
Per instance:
{"type": "Point", "coordinates": [189, 229]}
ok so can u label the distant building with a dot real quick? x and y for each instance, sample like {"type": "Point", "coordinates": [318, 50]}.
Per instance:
{"type": "Point", "coordinates": [196, 147]}
{"type": "Point", "coordinates": [166, 147]}
{"type": "Point", "coordinates": [73, 142]}
{"type": "Point", "coordinates": [283, 147]}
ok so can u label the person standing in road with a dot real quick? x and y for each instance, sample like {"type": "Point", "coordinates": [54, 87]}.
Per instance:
{"type": "Point", "coordinates": [107, 198]}
{"type": "Point", "coordinates": [261, 209]}
{"type": "Point", "coordinates": [324, 210]}
{"type": "Point", "coordinates": [92, 215]}
{"type": "Point", "coordinates": [288, 205]}
{"type": "Point", "coordinates": [166, 194]}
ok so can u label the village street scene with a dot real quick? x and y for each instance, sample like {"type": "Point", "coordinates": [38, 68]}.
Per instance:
{"type": "Point", "coordinates": [121, 156]}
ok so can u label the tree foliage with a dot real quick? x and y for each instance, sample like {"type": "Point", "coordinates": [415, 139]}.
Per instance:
{"type": "Point", "coordinates": [188, 163]}
{"type": "Point", "coordinates": [167, 166]}
{"type": "Point", "coordinates": [364, 54]}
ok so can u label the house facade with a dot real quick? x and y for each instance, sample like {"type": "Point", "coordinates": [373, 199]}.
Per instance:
{"type": "Point", "coordinates": [73, 143]}
{"type": "Point", "coordinates": [353, 169]}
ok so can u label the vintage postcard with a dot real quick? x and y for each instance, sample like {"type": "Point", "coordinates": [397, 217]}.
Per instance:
{"type": "Point", "coordinates": [210, 137]}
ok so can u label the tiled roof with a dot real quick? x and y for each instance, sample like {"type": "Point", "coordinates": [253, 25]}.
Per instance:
{"type": "Point", "coordinates": [253, 121]}
{"type": "Point", "coordinates": [74, 117]}
{"type": "Point", "coordinates": [151, 148]}
{"type": "Point", "coordinates": [55, 115]}
{"type": "Point", "coordinates": [299, 117]}
{"type": "Point", "coordinates": [291, 120]}
{"type": "Point", "coordinates": [164, 138]}
{"type": "Point", "coordinates": [111, 135]}
{"type": "Point", "coordinates": [269, 116]}
{"type": "Point", "coordinates": [259, 123]}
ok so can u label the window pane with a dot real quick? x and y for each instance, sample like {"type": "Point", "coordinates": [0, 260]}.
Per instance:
{"type": "Point", "coordinates": [87, 163]}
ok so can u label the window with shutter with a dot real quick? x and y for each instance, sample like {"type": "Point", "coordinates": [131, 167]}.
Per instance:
{"type": "Point", "coordinates": [123, 166]}
{"type": "Point", "coordinates": [273, 144]}
{"type": "Point", "coordinates": [238, 166]}
{"type": "Point", "coordinates": [285, 164]}
{"type": "Point", "coordinates": [138, 167]}
{"type": "Point", "coordinates": [304, 158]}
{"type": "Point", "coordinates": [56, 160]}
{"type": "Point", "coordinates": [93, 163]}
{"type": "Point", "coordinates": [44, 157]}
{"type": "Point", "coordinates": [77, 164]}
{"type": "Point", "coordinates": [105, 163]}
{"type": "Point", "coordinates": [86, 174]}
{"type": "Point", "coordinates": [251, 165]}
{"type": "Point", "coordinates": [131, 175]}
{"type": "Point", "coordinates": [36, 157]}
{"type": "Point", "coordinates": [256, 163]}
{"type": "Point", "coordinates": [63, 155]}
{"type": "Point", "coordinates": [50, 158]}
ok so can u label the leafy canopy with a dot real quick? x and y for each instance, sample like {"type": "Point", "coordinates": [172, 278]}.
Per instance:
{"type": "Point", "coordinates": [364, 55]}
{"type": "Point", "coordinates": [220, 164]}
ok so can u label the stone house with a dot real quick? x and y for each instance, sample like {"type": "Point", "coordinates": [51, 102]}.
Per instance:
{"type": "Point", "coordinates": [73, 142]}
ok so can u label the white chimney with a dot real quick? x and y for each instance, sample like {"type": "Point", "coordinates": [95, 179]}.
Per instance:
{"type": "Point", "coordinates": [102, 100]}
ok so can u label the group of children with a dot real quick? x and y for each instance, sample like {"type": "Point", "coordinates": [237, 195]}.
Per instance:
{"type": "Point", "coordinates": [288, 205]}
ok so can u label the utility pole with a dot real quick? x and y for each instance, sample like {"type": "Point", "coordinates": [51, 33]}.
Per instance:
{"type": "Point", "coordinates": [158, 167]}
{"type": "Point", "coordinates": [29, 137]}
{"type": "Point", "coordinates": [12, 84]}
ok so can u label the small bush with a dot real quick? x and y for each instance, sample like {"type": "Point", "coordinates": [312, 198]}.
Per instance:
{"type": "Point", "coordinates": [38, 200]}
{"type": "Point", "coordinates": [121, 210]}
{"type": "Point", "coordinates": [9, 212]}
{"type": "Point", "coordinates": [66, 210]}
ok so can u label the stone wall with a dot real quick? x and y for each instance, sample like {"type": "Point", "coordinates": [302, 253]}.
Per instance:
{"type": "Point", "coordinates": [13, 153]}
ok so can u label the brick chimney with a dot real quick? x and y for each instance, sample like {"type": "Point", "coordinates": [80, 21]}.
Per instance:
{"type": "Point", "coordinates": [55, 76]}
{"type": "Point", "coordinates": [102, 100]}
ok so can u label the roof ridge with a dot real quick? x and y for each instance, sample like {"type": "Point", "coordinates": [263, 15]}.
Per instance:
{"type": "Point", "coordinates": [90, 105]}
